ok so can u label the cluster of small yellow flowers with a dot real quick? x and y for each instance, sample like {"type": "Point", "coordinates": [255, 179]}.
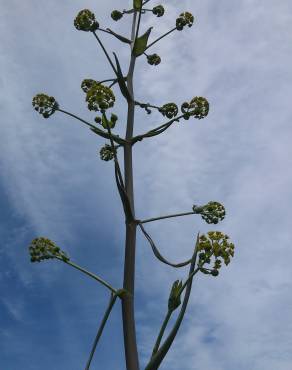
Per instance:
{"type": "Point", "coordinates": [98, 96]}
{"type": "Point", "coordinates": [85, 21]}
{"type": "Point", "coordinates": [214, 244]}
{"type": "Point", "coordinates": [116, 15]}
{"type": "Point", "coordinates": [174, 297]}
{"type": "Point", "coordinates": [212, 212]}
{"type": "Point", "coordinates": [158, 10]}
{"type": "Point", "coordinates": [43, 248]}
{"type": "Point", "coordinates": [45, 105]}
{"type": "Point", "coordinates": [153, 59]}
{"type": "Point", "coordinates": [169, 110]}
{"type": "Point", "coordinates": [107, 152]}
{"type": "Point", "coordinates": [184, 19]}
{"type": "Point", "coordinates": [198, 107]}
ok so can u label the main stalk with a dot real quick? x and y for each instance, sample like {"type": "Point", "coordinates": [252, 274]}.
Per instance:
{"type": "Point", "coordinates": [130, 344]}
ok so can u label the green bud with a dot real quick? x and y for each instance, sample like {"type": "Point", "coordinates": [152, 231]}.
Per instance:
{"type": "Point", "coordinates": [87, 84]}
{"type": "Point", "coordinates": [153, 59]}
{"type": "Point", "coordinates": [212, 213]}
{"type": "Point", "coordinates": [174, 297]}
{"type": "Point", "coordinates": [43, 248]}
{"type": "Point", "coordinates": [116, 15]}
{"type": "Point", "coordinates": [158, 10]}
{"type": "Point", "coordinates": [85, 21]}
{"type": "Point", "coordinates": [198, 108]}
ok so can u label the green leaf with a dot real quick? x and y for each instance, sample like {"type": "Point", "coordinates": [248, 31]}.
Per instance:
{"type": "Point", "coordinates": [120, 37]}
{"type": "Point", "coordinates": [141, 43]}
{"type": "Point", "coordinates": [137, 4]}
{"type": "Point", "coordinates": [121, 81]}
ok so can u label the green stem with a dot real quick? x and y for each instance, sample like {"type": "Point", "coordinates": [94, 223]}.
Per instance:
{"type": "Point", "coordinates": [128, 312]}
{"type": "Point", "coordinates": [100, 329]}
{"type": "Point", "coordinates": [161, 37]}
{"type": "Point", "coordinates": [95, 129]}
{"type": "Point", "coordinates": [161, 332]}
{"type": "Point", "coordinates": [105, 52]}
{"type": "Point", "coordinates": [163, 217]}
{"type": "Point", "coordinates": [95, 277]}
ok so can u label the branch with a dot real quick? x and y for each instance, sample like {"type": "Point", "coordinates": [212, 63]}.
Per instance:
{"type": "Point", "coordinates": [105, 52]}
{"type": "Point", "coordinates": [159, 38]}
{"type": "Point", "coordinates": [163, 217]}
{"type": "Point", "coordinates": [156, 360]}
{"type": "Point", "coordinates": [95, 277]}
{"type": "Point", "coordinates": [101, 327]}
{"type": "Point", "coordinates": [95, 129]}
{"type": "Point", "coordinates": [156, 131]}
{"type": "Point", "coordinates": [157, 253]}
{"type": "Point", "coordinates": [119, 178]}
{"type": "Point", "coordinates": [119, 37]}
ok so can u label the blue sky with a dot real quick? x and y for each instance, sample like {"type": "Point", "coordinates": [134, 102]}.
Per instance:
{"type": "Point", "coordinates": [238, 55]}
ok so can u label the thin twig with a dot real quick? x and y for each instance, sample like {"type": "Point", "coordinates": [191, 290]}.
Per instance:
{"type": "Point", "coordinates": [163, 217]}
{"type": "Point", "coordinates": [105, 52]}
{"type": "Point", "coordinates": [161, 37]}
{"type": "Point", "coordinates": [95, 277]}
{"type": "Point", "coordinates": [95, 129]}
{"type": "Point", "coordinates": [100, 329]}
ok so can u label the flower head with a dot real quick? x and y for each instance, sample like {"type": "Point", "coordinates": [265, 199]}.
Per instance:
{"type": "Point", "coordinates": [214, 244]}
{"type": "Point", "coordinates": [184, 19]}
{"type": "Point", "coordinates": [43, 248]}
{"type": "Point", "coordinates": [198, 108]}
{"type": "Point", "coordinates": [169, 110]}
{"type": "Point", "coordinates": [99, 97]}
{"type": "Point", "coordinates": [212, 213]}
{"type": "Point", "coordinates": [107, 153]}
{"type": "Point", "coordinates": [45, 105]}
{"type": "Point", "coordinates": [85, 21]}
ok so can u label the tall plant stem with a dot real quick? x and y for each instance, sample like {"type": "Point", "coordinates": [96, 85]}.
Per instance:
{"type": "Point", "coordinates": [130, 344]}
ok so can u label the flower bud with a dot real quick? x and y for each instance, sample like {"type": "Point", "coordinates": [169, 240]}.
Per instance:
{"type": "Point", "coordinates": [116, 15]}
{"type": "Point", "coordinates": [85, 21]}
{"type": "Point", "coordinates": [45, 105]}
{"type": "Point", "coordinates": [174, 297]}
{"type": "Point", "coordinates": [158, 10]}
{"type": "Point", "coordinates": [87, 84]}
{"type": "Point", "coordinates": [153, 59]}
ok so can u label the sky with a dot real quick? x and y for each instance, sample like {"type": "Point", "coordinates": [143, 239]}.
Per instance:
{"type": "Point", "coordinates": [238, 55]}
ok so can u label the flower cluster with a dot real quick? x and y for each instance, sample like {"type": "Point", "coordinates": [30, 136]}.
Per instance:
{"type": "Point", "coordinates": [198, 107]}
{"type": "Point", "coordinates": [105, 122]}
{"type": "Point", "coordinates": [184, 19]}
{"type": "Point", "coordinates": [116, 15]}
{"type": "Point", "coordinates": [169, 110]}
{"type": "Point", "coordinates": [153, 59]}
{"type": "Point", "coordinates": [45, 105]}
{"type": "Point", "coordinates": [98, 96]}
{"type": "Point", "coordinates": [107, 152]}
{"type": "Point", "coordinates": [212, 212]}
{"type": "Point", "coordinates": [42, 249]}
{"type": "Point", "coordinates": [215, 244]}
{"type": "Point", "coordinates": [174, 297]}
{"type": "Point", "coordinates": [158, 10]}
{"type": "Point", "coordinates": [85, 21]}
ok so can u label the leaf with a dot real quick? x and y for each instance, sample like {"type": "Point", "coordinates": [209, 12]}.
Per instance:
{"type": "Point", "coordinates": [121, 81]}
{"type": "Point", "coordinates": [120, 37]}
{"type": "Point", "coordinates": [141, 43]}
{"type": "Point", "coordinates": [137, 4]}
